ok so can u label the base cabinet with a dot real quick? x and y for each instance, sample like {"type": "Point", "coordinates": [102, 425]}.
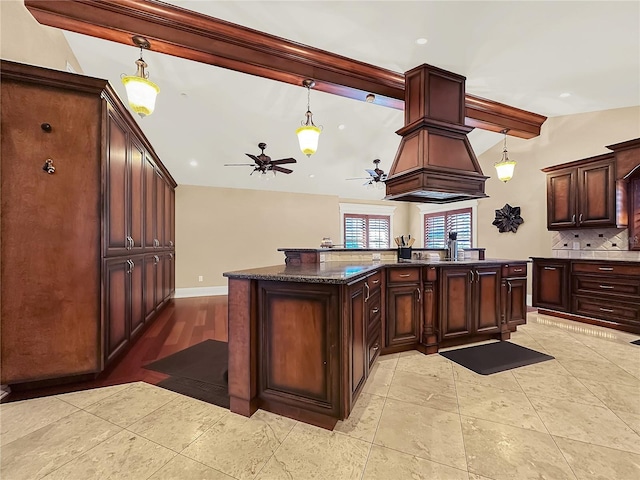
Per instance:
{"type": "Point", "coordinates": [551, 284]}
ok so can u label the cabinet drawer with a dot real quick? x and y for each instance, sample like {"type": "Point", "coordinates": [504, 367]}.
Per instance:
{"type": "Point", "coordinates": [620, 312]}
{"type": "Point", "coordinates": [375, 281]}
{"type": "Point", "coordinates": [404, 275]}
{"type": "Point", "coordinates": [604, 286]}
{"type": "Point", "coordinates": [374, 307]}
{"type": "Point", "coordinates": [374, 344]}
{"type": "Point", "coordinates": [514, 270]}
{"type": "Point", "coordinates": [609, 268]}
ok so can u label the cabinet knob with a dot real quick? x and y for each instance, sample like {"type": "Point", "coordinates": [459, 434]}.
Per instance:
{"type": "Point", "coordinates": [376, 347]}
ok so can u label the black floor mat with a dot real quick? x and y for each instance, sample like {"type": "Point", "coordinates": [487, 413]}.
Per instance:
{"type": "Point", "coordinates": [495, 357]}
{"type": "Point", "coordinates": [636, 342]}
{"type": "Point", "coordinates": [200, 371]}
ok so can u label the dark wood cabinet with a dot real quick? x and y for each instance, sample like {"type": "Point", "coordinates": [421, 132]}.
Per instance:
{"type": "Point", "coordinates": [515, 305]}
{"type": "Point", "coordinates": [551, 284]}
{"type": "Point", "coordinates": [73, 276]}
{"type": "Point", "coordinates": [469, 301]}
{"type": "Point", "coordinates": [404, 307]}
{"type": "Point", "coordinates": [582, 194]}
{"type": "Point", "coordinates": [634, 210]}
{"type": "Point", "coordinates": [358, 354]}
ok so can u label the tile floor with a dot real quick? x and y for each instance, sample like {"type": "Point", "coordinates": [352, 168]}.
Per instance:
{"type": "Point", "coordinates": [419, 417]}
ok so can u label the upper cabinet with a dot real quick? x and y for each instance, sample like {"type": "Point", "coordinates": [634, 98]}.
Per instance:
{"type": "Point", "coordinates": [628, 164]}
{"type": "Point", "coordinates": [583, 194]}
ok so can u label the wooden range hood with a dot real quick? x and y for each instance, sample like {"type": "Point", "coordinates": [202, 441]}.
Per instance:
{"type": "Point", "coordinates": [435, 162]}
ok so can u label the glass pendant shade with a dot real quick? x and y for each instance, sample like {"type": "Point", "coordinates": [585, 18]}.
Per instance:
{"type": "Point", "coordinates": [505, 169]}
{"type": "Point", "coordinates": [141, 92]}
{"type": "Point", "coordinates": [308, 136]}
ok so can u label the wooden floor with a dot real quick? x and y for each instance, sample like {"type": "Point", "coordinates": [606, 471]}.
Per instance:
{"type": "Point", "coordinates": [183, 323]}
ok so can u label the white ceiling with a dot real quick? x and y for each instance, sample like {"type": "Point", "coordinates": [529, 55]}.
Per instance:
{"type": "Point", "coordinates": [524, 54]}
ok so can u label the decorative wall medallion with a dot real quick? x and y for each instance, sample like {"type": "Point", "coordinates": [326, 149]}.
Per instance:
{"type": "Point", "coordinates": [508, 219]}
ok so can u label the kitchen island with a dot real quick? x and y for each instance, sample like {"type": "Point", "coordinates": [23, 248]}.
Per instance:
{"type": "Point", "coordinates": [303, 338]}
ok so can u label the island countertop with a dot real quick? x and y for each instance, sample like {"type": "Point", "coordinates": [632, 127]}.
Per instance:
{"type": "Point", "coordinates": [345, 272]}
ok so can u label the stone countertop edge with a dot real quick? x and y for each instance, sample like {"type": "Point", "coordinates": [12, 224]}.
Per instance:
{"type": "Point", "coordinates": [339, 272]}
{"type": "Point", "coordinates": [357, 250]}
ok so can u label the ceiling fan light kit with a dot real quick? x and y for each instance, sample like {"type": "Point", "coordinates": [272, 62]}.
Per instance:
{"type": "Point", "coordinates": [141, 92]}
{"type": "Point", "coordinates": [505, 167]}
{"type": "Point", "coordinates": [264, 166]}
{"type": "Point", "coordinates": [308, 134]}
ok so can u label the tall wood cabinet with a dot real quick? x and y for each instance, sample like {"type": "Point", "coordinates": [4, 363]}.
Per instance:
{"type": "Point", "coordinates": [75, 253]}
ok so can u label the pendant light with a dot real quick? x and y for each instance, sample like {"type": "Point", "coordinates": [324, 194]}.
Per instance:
{"type": "Point", "coordinates": [308, 133]}
{"type": "Point", "coordinates": [505, 166]}
{"type": "Point", "coordinates": [141, 92]}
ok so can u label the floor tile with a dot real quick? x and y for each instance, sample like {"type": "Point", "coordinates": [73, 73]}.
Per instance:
{"type": "Point", "coordinates": [41, 452]}
{"type": "Point", "coordinates": [84, 398]}
{"type": "Point", "coordinates": [311, 452]}
{"type": "Point", "coordinates": [132, 404]}
{"type": "Point", "coordinates": [240, 446]}
{"type": "Point", "coordinates": [502, 406]}
{"type": "Point", "coordinates": [593, 462]}
{"type": "Point", "coordinates": [549, 367]}
{"type": "Point", "coordinates": [433, 365]}
{"type": "Point", "coordinates": [388, 361]}
{"type": "Point", "coordinates": [585, 423]}
{"type": "Point", "coordinates": [502, 380]}
{"type": "Point", "coordinates": [422, 431]}
{"type": "Point", "coordinates": [631, 419]}
{"type": "Point", "coordinates": [425, 390]}
{"type": "Point", "coordinates": [503, 452]}
{"type": "Point", "coordinates": [183, 468]}
{"type": "Point", "coordinates": [179, 422]}
{"type": "Point", "coordinates": [125, 456]}
{"type": "Point", "coordinates": [598, 370]}
{"type": "Point", "coordinates": [379, 381]}
{"type": "Point", "coordinates": [18, 419]}
{"type": "Point", "coordinates": [616, 396]}
{"type": "Point", "coordinates": [363, 419]}
{"type": "Point", "coordinates": [384, 463]}
{"type": "Point", "coordinates": [561, 387]}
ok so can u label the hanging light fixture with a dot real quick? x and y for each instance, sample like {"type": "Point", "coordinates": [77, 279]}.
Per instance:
{"type": "Point", "coordinates": [141, 92]}
{"type": "Point", "coordinates": [308, 133]}
{"type": "Point", "coordinates": [505, 166]}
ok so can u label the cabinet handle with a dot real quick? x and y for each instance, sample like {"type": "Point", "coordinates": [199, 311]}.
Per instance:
{"type": "Point", "coordinates": [606, 310]}
{"type": "Point", "coordinates": [404, 275]}
{"type": "Point", "coordinates": [133, 265]}
{"type": "Point", "coordinates": [375, 282]}
{"type": "Point", "coordinates": [550, 268]}
{"type": "Point", "coordinates": [375, 310]}
{"type": "Point", "coordinates": [517, 270]}
{"type": "Point", "coordinates": [376, 347]}
{"type": "Point", "coordinates": [471, 272]}
{"type": "Point", "coordinates": [606, 269]}
{"type": "Point", "coordinates": [171, 256]}
{"type": "Point", "coordinates": [155, 242]}
{"type": "Point", "coordinates": [171, 243]}
{"type": "Point", "coordinates": [580, 219]}
{"type": "Point", "coordinates": [156, 259]}
{"type": "Point", "coordinates": [366, 285]}
{"type": "Point", "coordinates": [573, 218]}
{"type": "Point", "coordinates": [606, 286]}
{"type": "Point", "coordinates": [419, 295]}
{"type": "Point", "coordinates": [509, 287]}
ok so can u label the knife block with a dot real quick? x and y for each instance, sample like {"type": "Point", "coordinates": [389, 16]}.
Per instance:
{"type": "Point", "coordinates": [404, 253]}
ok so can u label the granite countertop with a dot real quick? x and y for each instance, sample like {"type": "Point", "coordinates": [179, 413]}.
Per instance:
{"type": "Point", "coordinates": [343, 272]}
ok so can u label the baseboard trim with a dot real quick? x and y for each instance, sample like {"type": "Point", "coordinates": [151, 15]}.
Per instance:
{"type": "Point", "coordinates": [200, 292]}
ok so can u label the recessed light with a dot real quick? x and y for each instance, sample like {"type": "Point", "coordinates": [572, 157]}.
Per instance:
{"type": "Point", "coordinates": [193, 163]}
{"type": "Point", "coordinates": [341, 127]}
{"type": "Point", "coordinates": [311, 175]}
{"type": "Point", "coordinates": [565, 95]}
{"type": "Point", "coordinates": [422, 41]}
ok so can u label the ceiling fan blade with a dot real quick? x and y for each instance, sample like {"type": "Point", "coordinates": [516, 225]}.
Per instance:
{"type": "Point", "coordinates": [367, 183]}
{"type": "Point", "coordinates": [254, 158]}
{"type": "Point", "coordinates": [281, 169]}
{"type": "Point", "coordinates": [283, 161]}
{"type": "Point", "coordinates": [239, 165]}
{"type": "Point", "coordinates": [358, 178]}
{"type": "Point", "coordinates": [371, 172]}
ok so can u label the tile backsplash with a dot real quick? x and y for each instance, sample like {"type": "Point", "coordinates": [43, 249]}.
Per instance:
{"type": "Point", "coordinates": [606, 243]}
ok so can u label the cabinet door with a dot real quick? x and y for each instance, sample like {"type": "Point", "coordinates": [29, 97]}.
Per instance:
{"type": "Point", "coordinates": [149, 203]}
{"type": "Point", "coordinates": [116, 307]}
{"type": "Point", "coordinates": [561, 199]}
{"type": "Point", "coordinates": [516, 308]}
{"type": "Point", "coordinates": [597, 195]}
{"type": "Point", "coordinates": [357, 325]}
{"type": "Point", "coordinates": [551, 284]}
{"type": "Point", "coordinates": [160, 186]}
{"type": "Point", "coordinates": [172, 230]}
{"type": "Point", "coordinates": [486, 302]}
{"type": "Point", "coordinates": [117, 202]}
{"type": "Point", "coordinates": [166, 277]}
{"type": "Point", "coordinates": [456, 313]}
{"type": "Point", "coordinates": [160, 260]}
{"type": "Point", "coordinates": [167, 237]}
{"type": "Point", "coordinates": [136, 195]}
{"type": "Point", "coordinates": [403, 315]}
{"type": "Point", "coordinates": [172, 273]}
{"type": "Point", "coordinates": [136, 291]}
{"type": "Point", "coordinates": [634, 213]}
{"type": "Point", "coordinates": [150, 273]}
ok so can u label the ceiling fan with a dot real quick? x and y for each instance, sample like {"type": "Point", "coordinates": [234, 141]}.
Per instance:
{"type": "Point", "coordinates": [377, 176]}
{"type": "Point", "coordinates": [263, 163]}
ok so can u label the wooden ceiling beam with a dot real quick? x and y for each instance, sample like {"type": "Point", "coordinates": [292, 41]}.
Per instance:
{"type": "Point", "coordinates": [183, 33]}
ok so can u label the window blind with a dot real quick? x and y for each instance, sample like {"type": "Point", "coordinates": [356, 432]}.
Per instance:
{"type": "Point", "coordinates": [366, 231]}
{"type": "Point", "coordinates": [437, 227]}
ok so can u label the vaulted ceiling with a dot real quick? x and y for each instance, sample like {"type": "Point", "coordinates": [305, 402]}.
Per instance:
{"type": "Point", "coordinates": [524, 54]}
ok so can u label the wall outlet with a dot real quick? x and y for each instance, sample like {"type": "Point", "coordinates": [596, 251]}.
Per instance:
{"type": "Point", "coordinates": [200, 278]}
{"type": "Point", "coordinates": [322, 257]}
{"type": "Point", "coordinates": [376, 256]}
{"type": "Point", "coordinates": [576, 245]}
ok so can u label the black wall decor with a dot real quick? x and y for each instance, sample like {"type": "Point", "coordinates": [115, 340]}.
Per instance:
{"type": "Point", "coordinates": [508, 219]}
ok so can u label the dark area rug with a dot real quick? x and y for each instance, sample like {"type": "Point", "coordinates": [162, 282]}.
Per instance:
{"type": "Point", "coordinates": [495, 357]}
{"type": "Point", "coordinates": [636, 342]}
{"type": "Point", "coordinates": [200, 371]}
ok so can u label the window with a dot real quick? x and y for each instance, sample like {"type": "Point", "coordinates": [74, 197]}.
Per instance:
{"type": "Point", "coordinates": [366, 231]}
{"type": "Point", "coordinates": [437, 227]}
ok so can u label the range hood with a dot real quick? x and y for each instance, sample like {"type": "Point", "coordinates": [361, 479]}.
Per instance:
{"type": "Point", "coordinates": [435, 162]}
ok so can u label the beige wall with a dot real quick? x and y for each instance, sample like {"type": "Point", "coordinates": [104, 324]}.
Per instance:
{"type": "Point", "coordinates": [224, 229]}
{"type": "Point", "coordinates": [24, 40]}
